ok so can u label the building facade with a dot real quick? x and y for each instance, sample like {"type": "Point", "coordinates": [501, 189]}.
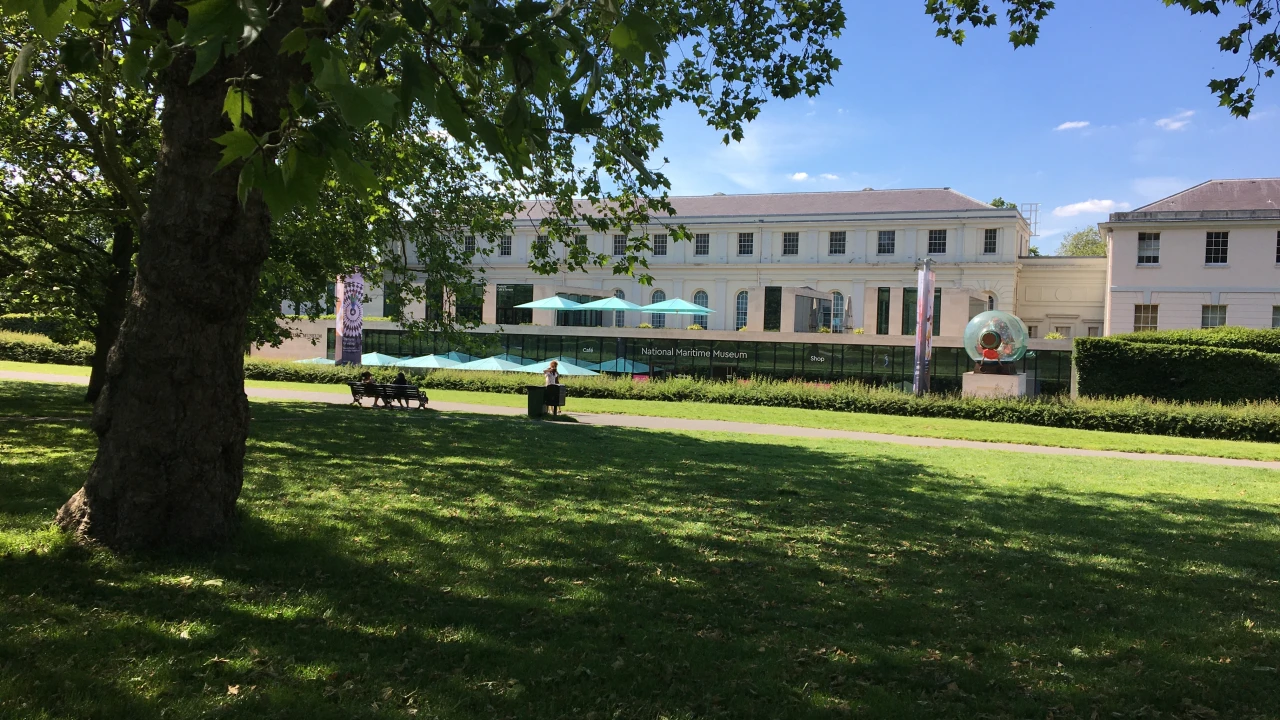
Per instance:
{"type": "Point", "coordinates": [1205, 257]}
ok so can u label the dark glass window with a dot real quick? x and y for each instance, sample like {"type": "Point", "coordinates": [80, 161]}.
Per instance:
{"type": "Point", "coordinates": [773, 308]}
{"type": "Point", "coordinates": [790, 243]}
{"type": "Point", "coordinates": [937, 311]}
{"type": "Point", "coordinates": [619, 244]}
{"type": "Point", "coordinates": [504, 245]}
{"type": "Point", "coordinates": [1146, 317]}
{"type": "Point", "coordinates": [746, 243]}
{"type": "Point", "coordinates": [886, 242]}
{"type": "Point", "coordinates": [658, 320]}
{"type": "Point", "coordinates": [740, 311]}
{"type": "Point", "coordinates": [391, 300]}
{"type": "Point", "coordinates": [836, 243]}
{"type": "Point", "coordinates": [469, 245]}
{"type": "Point", "coordinates": [989, 241]}
{"type": "Point", "coordinates": [702, 244]}
{"type": "Point", "coordinates": [660, 244]}
{"type": "Point", "coordinates": [937, 242]}
{"type": "Point", "coordinates": [909, 311]}
{"type": "Point", "coordinates": [882, 311]}
{"type": "Point", "coordinates": [1148, 248]}
{"type": "Point", "coordinates": [1212, 316]}
{"type": "Point", "coordinates": [508, 297]}
{"type": "Point", "coordinates": [1215, 248]}
{"type": "Point", "coordinates": [579, 318]}
{"type": "Point", "coordinates": [469, 306]}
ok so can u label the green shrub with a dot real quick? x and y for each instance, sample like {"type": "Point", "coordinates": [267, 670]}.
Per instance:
{"type": "Point", "coordinates": [1120, 367]}
{"type": "Point", "coordinates": [25, 347]}
{"type": "Point", "coordinates": [1266, 341]}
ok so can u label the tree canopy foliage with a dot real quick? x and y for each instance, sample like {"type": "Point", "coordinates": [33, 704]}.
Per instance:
{"type": "Point", "coordinates": [1083, 242]}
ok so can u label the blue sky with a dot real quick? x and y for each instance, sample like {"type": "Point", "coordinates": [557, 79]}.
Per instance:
{"type": "Point", "coordinates": [908, 109]}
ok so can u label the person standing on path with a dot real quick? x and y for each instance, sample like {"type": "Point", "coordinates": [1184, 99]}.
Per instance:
{"type": "Point", "coordinates": [552, 376]}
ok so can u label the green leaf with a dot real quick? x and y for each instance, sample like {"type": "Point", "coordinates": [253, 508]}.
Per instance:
{"type": "Point", "coordinates": [235, 144]}
{"type": "Point", "coordinates": [354, 173]}
{"type": "Point", "coordinates": [451, 114]}
{"type": "Point", "coordinates": [274, 191]}
{"type": "Point", "coordinates": [49, 17]}
{"type": "Point", "coordinates": [249, 179]}
{"type": "Point", "coordinates": [21, 66]}
{"type": "Point", "coordinates": [207, 55]}
{"type": "Point", "coordinates": [77, 55]}
{"type": "Point", "coordinates": [623, 40]}
{"type": "Point", "coordinates": [236, 106]}
{"type": "Point", "coordinates": [134, 67]}
{"type": "Point", "coordinates": [293, 43]}
{"type": "Point", "coordinates": [359, 105]}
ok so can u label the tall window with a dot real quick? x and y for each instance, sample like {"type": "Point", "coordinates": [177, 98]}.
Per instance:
{"type": "Point", "coordinates": [909, 311]}
{"type": "Point", "coordinates": [937, 311]}
{"type": "Point", "coordinates": [702, 244]}
{"type": "Point", "coordinates": [1278, 247]}
{"type": "Point", "coordinates": [991, 302]}
{"type": "Point", "coordinates": [1215, 248]}
{"type": "Point", "coordinates": [1148, 248]}
{"type": "Point", "coordinates": [1275, 316]}
{"type": "Point", "coordinates": [504, 245]}
{"type": "Point", "coordinates": [937, 242]}
{"type": "Point", "coordinates": [882, 311]}
{"type": "Point", "coordinates": [469, 244]}
{"type": "Point", "coordinates": [989, 241]}
{"type": "Point", "coordinates": [790, 243]}
{"type": "Point", "coordinates": [1212, 316]}
{"type": "Point", "coordinates": [391, 300]}
{"type": "Point", "coordinates": [1146, 317]}
{"type": "Point", "coordinates": [660, 244]}
{"type": "Point", "coordinates": [836, 243]}
{"type": "Point", "coordinates": [619, 316]}
{"type": "Point", "coordinates": [887, 242]}
{"type": "Point", "coordinates": [658, 320]}
{"type": "Point", "coordinates": [581, 240]}
{"type": "Point", "coordinates": [740, 311]}
{"type": "Point", "coordinates": [619, 244]}
{"type": "Point", "coordinates": [837, 312]}
{"type": "Point", "coordinates": [1033, 331]}
{"type": "Point", "coordinates": [746, 243]}
{"type": "Point", "coordinates": [700, 298]}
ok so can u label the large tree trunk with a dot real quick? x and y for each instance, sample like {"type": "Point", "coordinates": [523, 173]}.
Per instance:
{"type": "Point", "coordinates": [111, 314]}
{"type": "Point", "coordinates": [173, 416]}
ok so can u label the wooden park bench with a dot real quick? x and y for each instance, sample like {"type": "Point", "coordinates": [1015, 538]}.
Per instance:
{"type": "Point", "coordinates": [386, 393]}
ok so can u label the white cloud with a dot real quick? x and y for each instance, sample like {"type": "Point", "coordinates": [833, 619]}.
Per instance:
{"type": "Point", "coordinates": [1177, 122]}
{"type": "Point", "coordinates": [1073, 125]}
{"type": "Point", "coordinates": [1089, 207]}
{"type": "Point", "coordinates": [800, 176]}
{"type": "Point", "coordinates": [829, 176]}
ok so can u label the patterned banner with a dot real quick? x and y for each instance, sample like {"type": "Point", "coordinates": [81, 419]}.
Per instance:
{"type": "Point", "coordinates": [924, 326]}
{"type": "Point", "coordinates": [350, 325]}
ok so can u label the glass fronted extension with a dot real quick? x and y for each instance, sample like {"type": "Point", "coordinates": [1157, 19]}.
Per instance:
{"type": "Point", "coordinates": [725, 359]}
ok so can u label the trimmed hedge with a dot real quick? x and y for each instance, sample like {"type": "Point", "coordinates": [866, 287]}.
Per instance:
{"type": "Point", "coordinates": [19, 347]}
{"type": "Point", "coordinates": [31, 325]}
{"type": "Point", "coordinates": [1122, 367]}
{"type": "Point", "coordinates": [1239, 338]}
{"type": "Point", "coordinates": [1255, 421]}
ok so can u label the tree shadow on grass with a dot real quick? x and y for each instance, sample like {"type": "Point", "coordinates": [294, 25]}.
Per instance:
{"type": "Point", "coordinates": [477, 567]}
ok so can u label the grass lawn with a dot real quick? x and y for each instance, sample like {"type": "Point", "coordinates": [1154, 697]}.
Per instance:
{"type": "Point", "coordinates": [946, 428]}
{"type": "Point", "coordinates": [427, 565]}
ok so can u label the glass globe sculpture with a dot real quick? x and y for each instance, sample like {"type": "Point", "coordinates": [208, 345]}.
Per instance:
{"type": "Point", "coordinates": [995, 336]}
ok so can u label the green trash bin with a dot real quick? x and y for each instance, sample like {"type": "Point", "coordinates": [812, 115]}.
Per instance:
{"type": "Point", "coordinates": [537, 400]}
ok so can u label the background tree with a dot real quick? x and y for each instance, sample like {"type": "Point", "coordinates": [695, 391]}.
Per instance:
{"type": "Point", "coordinates": [1083, 242]}
{"type": "Point", "coordinates": [1002, 203]}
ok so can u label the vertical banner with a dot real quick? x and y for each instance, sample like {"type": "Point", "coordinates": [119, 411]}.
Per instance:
{"type": "Point", "coordinates": [350, 313]}
{"type": "Point", "coordinates": [924, 326]}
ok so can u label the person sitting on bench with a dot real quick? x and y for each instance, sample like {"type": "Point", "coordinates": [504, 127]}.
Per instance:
{"type": "Point", "coordinates": [401, 395]}
{"type": "Point", "coordinates": [370, 387]}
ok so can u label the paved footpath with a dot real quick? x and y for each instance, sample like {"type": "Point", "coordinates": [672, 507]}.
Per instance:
{"type": "Point", "coordinates": [664, 423]}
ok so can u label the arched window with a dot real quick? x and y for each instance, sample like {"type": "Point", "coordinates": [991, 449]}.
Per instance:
{"type": "Point", "coordinates": [700, 298]}
{"type": "Point", "coordinates": [619, 317]}
{"type": "Point", "coordinates": [837, 312]}
{"type": "Point", "coordinates": [740, 311]}
{"type": "Point", "coordinates": [991, 302]}
{"type": "Point", "coordinates": [658, 320]}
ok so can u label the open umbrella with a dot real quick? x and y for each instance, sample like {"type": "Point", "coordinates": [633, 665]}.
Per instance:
{"type": "Point", "coordinates": [609, 303]}
{"type": "Point", "coordinates": [676, 307]}
{"type": "Point", "coordinates": [551, 303]}
{"type": "Point", "coordinates": [563, 366]}
{"type": "Point", "coordinates": [620, 366]}
{"type": "Point", "coordinates": [459, 357]}
{"type": "Point", "coordinates": [491, 364]}
{"type": "Point", "coordinates": [315, 361]}
{"type": "Point", "coordinates": [376, 358]}
{"type": "Point", "coordinates": [428, 361]}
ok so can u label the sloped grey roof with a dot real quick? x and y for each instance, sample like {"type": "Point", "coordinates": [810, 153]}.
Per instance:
{"type": "Point", "coordinates": [812, 203]}
{"type": "Point", "coordinates": [1247, 194]}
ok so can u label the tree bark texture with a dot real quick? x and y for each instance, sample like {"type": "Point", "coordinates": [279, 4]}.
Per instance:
{"type": "Point", "coordinates": [172, 417]}
{"type": "Point", "coordinates": [114, 303]}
